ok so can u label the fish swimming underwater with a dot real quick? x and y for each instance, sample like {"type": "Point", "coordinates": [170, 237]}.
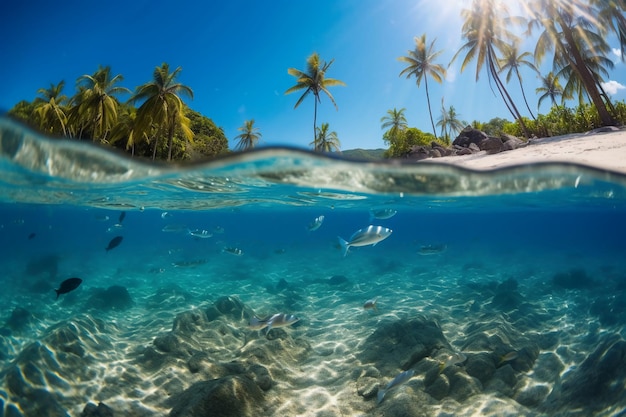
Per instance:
{"type": "Point", "coordinates": [370, 235]}
{"type": "Point", "coordinates": [382, 214]}
{"type": "Point", "coordinates": [315, 224]}
{"type": "Point", "coordinates": [275, 320]}
{"type": "Point", "coordinates": [456, 358]}
{"type": "Point", "coordinates": [68, 285]}
{"type": "Point", "coordinates": [200, 234]}
{"type": "Point", "coordinates": [371, 304]}
{"type": "Point", "coordinates": [122, 217]}
{"type": "Point", "coordinates": [115, 242]}
{"type": "Point", "coordinates": [233, 251]}
{"type": "Point", "coordinates": [432, 249]}
{"type": "Point", "coordinates": [397, 381]}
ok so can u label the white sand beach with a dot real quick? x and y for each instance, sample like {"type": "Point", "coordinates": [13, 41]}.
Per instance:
{"type": "Point", "coordinates": [603, 150]}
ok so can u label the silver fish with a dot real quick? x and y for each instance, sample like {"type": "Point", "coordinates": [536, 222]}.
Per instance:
{"type": "Point", "coordinates": [281, 320]}
{"type": "Point", "coordinates": [370, 235]}
{"type": "Point", "coordinates": [382, 214]}
{"type": "Point", "coordinates": [432, 249]}
{"type": "Point", "coordinates": [397, 381]}
{"type": "Point", "coordinates": [201, 234]}
{"type": "Point", "coordinates": [371, 304]}
{"type": "Point", "coordinates": [233, 251]}
{"type": "Point", "coordinates": [316, 224]}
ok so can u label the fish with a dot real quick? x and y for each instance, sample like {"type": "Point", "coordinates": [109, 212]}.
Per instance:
{"type": "Point", "coordinates": [184, 264]}
{"type": "Point", "coordinates": [382, 214]}
{"type": "Point", "coordinates": [432, 249]}
{"type": "Point", "coordinates": [116, 226]}
{"type": "Point", "coordinates": [508, 357]}
{"type": "Point", "coordinates": [165, 215]}
{"type": "Point", "coordinates": [175, 228]}
{"type": "Point", "coordinates": [68, 285]}
{"type": "Point", "coordinates": [456, 358]}
{"type": "Point", "coordinates": [114, 243]}
{"type": "Point", "coordinates": [370, 235]}
{"type": "Point", "coordinates": [315, 224]}
{"type": "Point", "coordinates": [32, 236]}
{"type": "Point", "coordinates": [103, 218]}
{"type": "Point", "coordinates": [200, 234]}
{"type": "Point", "coordinates": [371, 304]}
{"type": "Point", "coordinates": [122, 217]}
{"type": "Point", "coordinates": [397, 381]}
{"type": "Point", "coordinates": [275, 320]}
{"type": "Point", "coordinates": [233, 251]}
{"type": "Point", "coordinates": [281, 320]}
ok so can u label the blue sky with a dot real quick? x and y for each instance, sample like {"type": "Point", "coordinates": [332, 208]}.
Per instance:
{"type": "Point", "coordinates": [235, 55]}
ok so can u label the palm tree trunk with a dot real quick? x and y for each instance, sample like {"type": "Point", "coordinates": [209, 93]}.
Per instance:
{"type": "Point", "coordinates": [507, 98]}
{"type": "Point", "coordinates": [430, 112]}
{"type": "Point", "coordinates": [585, 76]}
{"type": "Point", "coordinates": [524, 95]}
{"type": "Point", "coordinates": [315, 123]}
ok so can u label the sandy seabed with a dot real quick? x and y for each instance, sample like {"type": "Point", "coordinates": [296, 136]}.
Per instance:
{"type": "Point", "coordinates": [529, 347]}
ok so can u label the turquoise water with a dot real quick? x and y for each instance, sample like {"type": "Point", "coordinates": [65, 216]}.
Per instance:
{"type": "Point", "coordinates": [526, 262]}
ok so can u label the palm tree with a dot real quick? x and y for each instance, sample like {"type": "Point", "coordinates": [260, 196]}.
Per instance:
{"type": "Point", "coordinates": [97, 105]}
{"type": "Point", "coordinates": [512, 60]}
{"type": "Point", "coordinates": [421, 64]}
{"type": "Point", "coordinates": [612, 14]}
{"type": "Point", "coordinates": [249, 136]}
{"type": "Point", "coordinates": [551, 88]}
{"type": "Point", "coordinates": [485, 33]}
{"type": "Point", "coordinates": [566, 31]}
{"type": "Point", "coordinates": [326, 141]}
{"type": "Point", "coordinates": [314, 81]}
{"type": "Point", "coordinates": [449, 122]}
{"type": "Point", "coordinates": [162, 111]}
{"type": "Point", "coordinates": [49, 109]}
{"type": "Point", "coordinates": [394, 122]}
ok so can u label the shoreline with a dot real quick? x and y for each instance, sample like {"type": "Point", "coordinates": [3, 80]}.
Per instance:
{"type": "Point", "coordinates": [605, 150]}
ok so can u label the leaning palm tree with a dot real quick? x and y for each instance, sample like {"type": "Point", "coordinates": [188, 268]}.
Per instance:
{"type": "Point", "coordinates": [313, 81]}
{"type": "Point", "coordinates": [97, 106]}
{"type": "Point", "coordinates": [326, 141]}
{"type": "Point", "coordinates": [421, 65]}
{"type": "Point", "coordinates": [49, 109]}
{"type": "Point", "coordinates": [485, 35]}
{"type": "Point", "coordinates": [512, 60]}
{"type": "Point", "coordinates": [162, 111]}
{"type": "Point", "coordinates": [249, 136]}
{"type": "Point", "coordinates": [612, 14]}
{"type": "Point", "coordinates": [395, 122]}
{"type": "Point", "coordinates": [567, 29]}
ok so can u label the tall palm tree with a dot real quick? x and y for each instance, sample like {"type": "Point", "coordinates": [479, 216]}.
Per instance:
{"type": "Point", "coordinates": [566, 27]}
{"type": "Point", "coordinates": [49, 109]}
{"type": "Point", "coordinates": [484, 30]}
{"type": "Point", "coordinates": [421, 65]}
{"type": "Point", "coordinates": [313, 81]}
{"type": "Point", "coordinates": [449, 122]}
{"type": "Point", "coordinates": [162, 111]}
{"type": "Point", "coordinates": [249, 136]}
{"type": "Point", "coordinates": [97, 105]}
{"type": "Point", "coordinates": [512, 60]}
{"type": "Point", "coordinates": [326, 141]}
{"type": "Point", "coordinates": [395, 122]}
{"type": "Point", "coordinates": [551, 88]}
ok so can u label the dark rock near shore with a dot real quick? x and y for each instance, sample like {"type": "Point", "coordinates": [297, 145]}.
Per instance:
{"type": "Point", "coordinates": [100, 410]}
{"type": "Point", "coordinates": [491, 145]}
{"type": "Point", "coordinates": [469, 135]}
{"type": "Point", "coordinates": [116, 297]}
{"type": "Point", "coordinates": [232, 396]}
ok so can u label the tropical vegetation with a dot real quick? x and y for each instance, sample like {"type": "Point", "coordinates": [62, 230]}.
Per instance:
{"type": "Point", "coordinates": [162, 127]}
{"type": "Point", "coordinates": [571, 58]}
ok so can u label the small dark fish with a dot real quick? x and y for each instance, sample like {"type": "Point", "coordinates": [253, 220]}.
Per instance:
{"type": "Point", "coordinates": [31, 236]}
{"type": "Point", "coordinates": [114, 243]}
{"type": "Point", "coordinates": [122, 216]}
{"type": "Point", "coordinates": [68, 285]}
{"type": "Point", "coordinates": [233, 251]}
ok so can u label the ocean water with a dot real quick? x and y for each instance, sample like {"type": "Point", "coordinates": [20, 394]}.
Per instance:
{"type": "Point", "coordinates": [503, 291]}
